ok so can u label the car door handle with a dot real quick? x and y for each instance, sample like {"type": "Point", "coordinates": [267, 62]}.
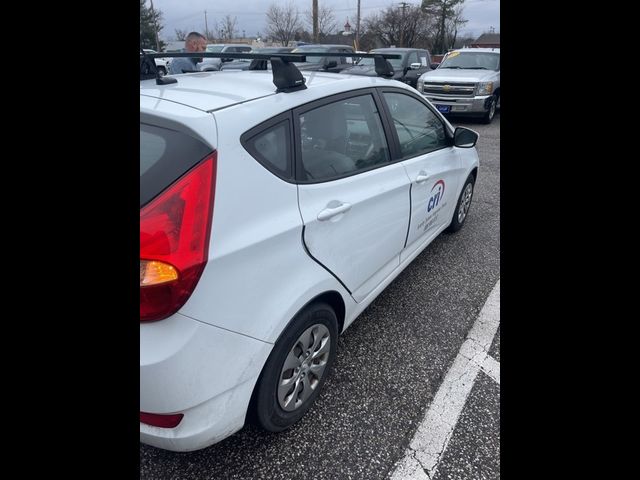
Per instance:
{"type": "Point", "coordinates": [331, 212]}
{"type": "Point", "coordinates": [422, 177]}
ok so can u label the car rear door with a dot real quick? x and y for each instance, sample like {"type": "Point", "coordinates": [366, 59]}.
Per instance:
{"type": "Point", "coordinates": [432, 164]}
{"type": "Point", "coordinates": [353, 199]}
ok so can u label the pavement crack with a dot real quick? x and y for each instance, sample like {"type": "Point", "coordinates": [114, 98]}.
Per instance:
{"type": "Point", "coordinates": [424, 469]}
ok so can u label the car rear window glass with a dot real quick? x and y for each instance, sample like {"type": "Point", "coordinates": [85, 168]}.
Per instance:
{"type": "Point", "coordinates": [165, 155]}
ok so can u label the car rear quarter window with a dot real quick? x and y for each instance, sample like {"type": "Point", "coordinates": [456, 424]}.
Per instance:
{"type": "Point", "coordinates": [165, 155]}
{"type": "Point", "coordinates": [270, 145]}
{"type": "Point", "coordinates": [272, 148]}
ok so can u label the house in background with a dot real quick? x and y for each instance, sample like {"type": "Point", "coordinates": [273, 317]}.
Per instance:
{"type": "Point", "coordinates": [487, 40]}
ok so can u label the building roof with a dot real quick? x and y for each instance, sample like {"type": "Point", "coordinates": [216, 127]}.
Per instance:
{"type": "Point", "coordinates": [487, 39]}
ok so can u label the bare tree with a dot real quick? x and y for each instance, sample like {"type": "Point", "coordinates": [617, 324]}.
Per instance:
{"type": "Point", "coordinates": [283, 22]}
{"type": "Point", "coordinates": [227, 27]}
{"type": "Point", "coordinates": [453, 26]}
{"type": "Point", "coordinates": [407, 27]}
{"type": "Point", "coordinates": [180, 34]}
{"type": "Point", "coordinates": [326, 21]}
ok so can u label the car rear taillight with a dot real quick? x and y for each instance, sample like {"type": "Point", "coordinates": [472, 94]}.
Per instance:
{"type": "Point", "coordinates": [174, 241]}
{"type": "Point", "coordinates": [163, 421]}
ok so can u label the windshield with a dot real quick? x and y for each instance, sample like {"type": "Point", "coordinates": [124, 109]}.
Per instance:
{"type": "Point", "coordinates": [396, 63]}
{"type": "Point", "coordinates": [311, 50]}
{"type": "Point", "coordinates": [472, 60]}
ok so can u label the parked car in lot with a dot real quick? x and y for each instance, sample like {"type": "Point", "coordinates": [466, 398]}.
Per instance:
{"type": "Point", "coordinates": [414, 62]}
{"type": "Point", "coordinates": [161, 63]}
{"type": "Point", "coordinates": [243, 63]}
{"type": "Point", "coordinates": [212, 64]}
{"type": "Point", "coordinates": [467, 82]}
{"type": "Point", "coordinates": [326, 63]}
{"type": "Point", "coordinates": [270, 218]}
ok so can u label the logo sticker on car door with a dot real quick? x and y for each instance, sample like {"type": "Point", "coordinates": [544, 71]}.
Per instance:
{"type": "Point", "coordinates": [436, 196]}
{"type": "Point", "coordinates": [433, 206]}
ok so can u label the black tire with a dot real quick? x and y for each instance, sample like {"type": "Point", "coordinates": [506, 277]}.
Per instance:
{"type": "Point", "coordinates": [459, 216]}
{"type": "Point", "coordinates": [488, 116]}
{"type": "Point", "coordinates": [268, 409]}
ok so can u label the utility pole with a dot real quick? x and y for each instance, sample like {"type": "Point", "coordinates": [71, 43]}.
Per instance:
{"type": "Point", "coordinates": [206, 26]}
{"type": "Point", "coordinates": [155, 26]}
{"type": "Point", "coordinates": [358, 28]}
{"type": "Point", "coordinates": [404, 7]}
{"type": "Point", "coordinates": [315, 20]}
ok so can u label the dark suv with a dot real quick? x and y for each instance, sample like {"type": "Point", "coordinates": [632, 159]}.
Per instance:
{"type": "Point", "coordinates": [414, 62]}
{"type": "Point", "coordinates": [325, 64]}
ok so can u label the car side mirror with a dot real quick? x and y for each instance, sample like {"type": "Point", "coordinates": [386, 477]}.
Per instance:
{"type": "Point", "coordinates": [331, 64]}
{"type": "Point", "coordinates": [464, 137]}
{"type": "Point", "coordinates": [416, 65]}
{"type": "Point", "coordinates": [434, 66]}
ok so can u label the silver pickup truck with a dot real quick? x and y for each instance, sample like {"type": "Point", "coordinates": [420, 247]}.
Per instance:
{"type": "Point", "coordinates": [467, 82]}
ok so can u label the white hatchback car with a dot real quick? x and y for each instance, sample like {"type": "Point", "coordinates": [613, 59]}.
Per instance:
{"type": "Point", "coordinates": [269, 220]}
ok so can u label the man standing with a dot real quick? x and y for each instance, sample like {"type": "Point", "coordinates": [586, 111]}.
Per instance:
{"type": "Point", "coordinates": [194, 42]}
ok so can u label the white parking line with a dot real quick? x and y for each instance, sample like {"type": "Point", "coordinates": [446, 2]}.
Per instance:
{"type": "Point", "coordinates": [492, 368]}
{"type": "Point", "coordinates": [430, 440]}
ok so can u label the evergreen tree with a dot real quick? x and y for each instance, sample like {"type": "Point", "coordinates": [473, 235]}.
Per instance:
{"type": "Point", "coordinates": [149, 21]}
{"type": "Point", "coordinates": [443, 11]}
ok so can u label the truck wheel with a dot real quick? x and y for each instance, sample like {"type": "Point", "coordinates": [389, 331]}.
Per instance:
{"type": "Point", "coordinates": [492, 110]}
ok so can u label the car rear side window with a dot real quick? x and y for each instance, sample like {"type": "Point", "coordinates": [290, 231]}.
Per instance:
{"type": "Point", "coordinates": [270, 144]}
{"type": "Point", "coordinates": [165, 155]}
{"type": "Point", "coordinates": [342, 138]}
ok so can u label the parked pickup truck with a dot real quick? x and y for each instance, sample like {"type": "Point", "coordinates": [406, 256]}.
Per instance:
{"type": "Point", "coordinates": [467, 82]}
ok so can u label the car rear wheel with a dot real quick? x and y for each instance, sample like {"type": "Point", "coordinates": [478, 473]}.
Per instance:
{"type": "Point", "coordinates": [297, 368]}
{"type": "Point", "coordinates": [462, 207]}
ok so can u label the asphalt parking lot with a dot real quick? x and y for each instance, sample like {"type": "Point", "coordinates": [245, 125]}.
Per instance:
{"type": "Point", "coordinates": [393, 366]}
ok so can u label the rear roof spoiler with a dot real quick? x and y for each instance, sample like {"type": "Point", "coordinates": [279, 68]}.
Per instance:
{"type": "Point", "coordinates": [286, 76]}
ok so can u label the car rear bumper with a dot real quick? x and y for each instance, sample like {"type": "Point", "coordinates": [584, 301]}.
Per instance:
{"type": "Point", "coordinates": [201, 371]}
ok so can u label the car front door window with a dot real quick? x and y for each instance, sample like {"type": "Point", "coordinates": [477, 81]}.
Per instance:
{"type": "Point", "coordinates": [419, 129]}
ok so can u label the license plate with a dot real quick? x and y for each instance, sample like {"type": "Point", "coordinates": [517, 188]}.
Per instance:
{"type": "Point", "coordinates": [444, 108]}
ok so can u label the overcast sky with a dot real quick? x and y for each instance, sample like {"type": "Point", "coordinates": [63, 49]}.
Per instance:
{"type": "Point", "coordinates": [189, 14]}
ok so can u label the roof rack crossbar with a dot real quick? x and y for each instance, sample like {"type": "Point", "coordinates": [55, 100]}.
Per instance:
{"type": "Point", "coordinates": [286, 76]}
{"type": "Point", "coordinates": [383, 67]}
{"type": "Point", "coordinates": [149, 69]}
{"type": "Point", "coordinates": [290, 56]}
